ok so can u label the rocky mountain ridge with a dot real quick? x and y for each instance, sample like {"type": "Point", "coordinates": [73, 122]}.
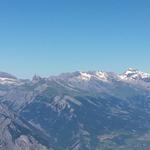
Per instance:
{"type": "Point", "coordinates": [76, 111]}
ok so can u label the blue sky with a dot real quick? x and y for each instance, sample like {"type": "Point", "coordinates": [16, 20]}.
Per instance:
{"type": "Point", "coordinates": [49, 37]}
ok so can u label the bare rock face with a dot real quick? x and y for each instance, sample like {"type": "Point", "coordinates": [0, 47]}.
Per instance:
{"type": "Point", "coordinates": [15, 134]}
{"type": "Point", "coordinates": [24, 143]}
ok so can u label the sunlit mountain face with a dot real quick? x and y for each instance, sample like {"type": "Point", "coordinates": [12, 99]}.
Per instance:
{"type": "Point", "coordinates": [92, 110]}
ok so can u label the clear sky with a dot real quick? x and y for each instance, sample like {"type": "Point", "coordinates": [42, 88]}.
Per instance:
{"type": "Point", "coordinates": [48, 37]}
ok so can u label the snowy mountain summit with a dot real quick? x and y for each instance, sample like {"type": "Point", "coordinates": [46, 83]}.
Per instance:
{"type": "Point", "coordinates": [134, 74]}
{"type": "Point", "coordinates": [129, 74]}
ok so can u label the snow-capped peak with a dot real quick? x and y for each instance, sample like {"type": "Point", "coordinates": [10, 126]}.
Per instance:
{"type": "Point", "coordinates": [131, 70]}
{"type": "Point", "coordinates": [85, 76]}
{"type": "Point", "coordinates": [134, 74]}
{"type": "Point", "coordinates": [79, 76]}
{"type": "Point", "coordinates": [102, 75]}
{"type": "Point", "coordinates": [6, 78]}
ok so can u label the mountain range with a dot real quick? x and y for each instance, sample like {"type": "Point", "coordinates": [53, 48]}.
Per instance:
{"type": "Point", "coordinates": [92, 110]}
